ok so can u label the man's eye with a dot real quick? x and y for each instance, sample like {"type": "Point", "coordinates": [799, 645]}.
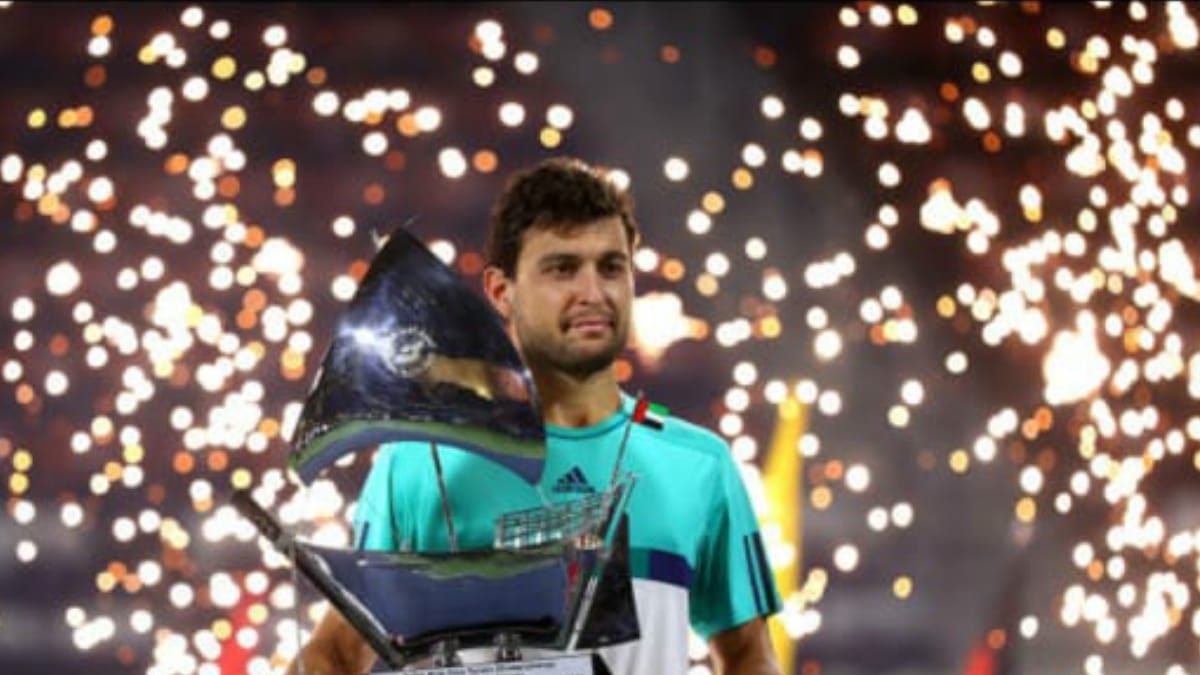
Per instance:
{"type": "Point", "coordinates": [614, 267]}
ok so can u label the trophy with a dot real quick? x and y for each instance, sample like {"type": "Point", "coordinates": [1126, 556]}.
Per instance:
{"type": "Point", "coordinates": [419, 357]}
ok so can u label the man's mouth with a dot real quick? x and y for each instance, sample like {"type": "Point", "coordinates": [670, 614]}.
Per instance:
{"type": "Point", "coordinates": [588, 324]}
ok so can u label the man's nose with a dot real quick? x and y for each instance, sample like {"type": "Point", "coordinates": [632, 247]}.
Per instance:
{"type": "Point", "coordinates": [590, 286]}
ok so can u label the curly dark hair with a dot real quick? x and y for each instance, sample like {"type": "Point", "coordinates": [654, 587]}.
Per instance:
{"type": "Point", "coordinates": [559, 193]}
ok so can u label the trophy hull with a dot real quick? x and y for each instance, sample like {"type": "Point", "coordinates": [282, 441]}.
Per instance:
{"type": "Point", "coordinates": [468, 596]}
{"type": "Point", "coordinates": [578, 664]}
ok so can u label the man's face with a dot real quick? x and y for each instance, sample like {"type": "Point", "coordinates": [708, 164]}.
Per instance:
{"type": "Point", "coordinates": [569, 303]}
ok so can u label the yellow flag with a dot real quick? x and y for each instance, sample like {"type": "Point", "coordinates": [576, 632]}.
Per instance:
{"type": "Point", "coordinates": [782, 522]}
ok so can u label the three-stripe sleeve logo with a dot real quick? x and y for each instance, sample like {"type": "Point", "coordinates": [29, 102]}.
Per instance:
{"type": "Point", "coordinates": [757, 566]}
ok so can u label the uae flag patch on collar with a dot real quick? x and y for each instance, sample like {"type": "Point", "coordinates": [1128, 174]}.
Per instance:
{"type": "Point", "coordinates": [650, 414]}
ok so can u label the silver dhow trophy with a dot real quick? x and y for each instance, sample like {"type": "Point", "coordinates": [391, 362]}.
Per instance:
{"type": "Point", "coordinates": [418, 356]}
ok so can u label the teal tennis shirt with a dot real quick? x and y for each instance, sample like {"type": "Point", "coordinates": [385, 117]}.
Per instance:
{"type": "Point", "coordinates": [696, 552]}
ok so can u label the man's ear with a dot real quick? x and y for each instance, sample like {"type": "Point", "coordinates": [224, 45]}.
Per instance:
{"type": "Point", "coordinates": [498, 289]}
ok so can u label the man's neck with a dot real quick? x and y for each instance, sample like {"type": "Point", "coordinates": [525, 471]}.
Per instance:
{"type": "Point", "coordinates": [570, 402]}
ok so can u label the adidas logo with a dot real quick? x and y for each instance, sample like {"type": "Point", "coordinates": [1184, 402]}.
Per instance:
{"type": "Point", "coordinates": [573, 482]}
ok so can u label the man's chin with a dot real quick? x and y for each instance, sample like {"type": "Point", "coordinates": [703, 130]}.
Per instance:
{"type": "Point", "coordinates": [576, 358]}
{"type": "Point", "coordinates": [584, 363]}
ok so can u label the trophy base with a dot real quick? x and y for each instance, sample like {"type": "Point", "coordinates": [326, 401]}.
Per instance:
{"type": "Point", "coordinates": [580, 664]}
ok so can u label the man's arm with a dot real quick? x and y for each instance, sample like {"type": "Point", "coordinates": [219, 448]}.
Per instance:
{"type": "Point", "coordinates": [335, 648]}
{"type": "Point", "coordinates": [744, 650]}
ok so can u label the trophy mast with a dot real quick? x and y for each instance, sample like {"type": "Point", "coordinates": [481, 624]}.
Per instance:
{"type": "Point", "coordinates": [445, 652]}
{"type": "Point", "coordinates": [449, 515]}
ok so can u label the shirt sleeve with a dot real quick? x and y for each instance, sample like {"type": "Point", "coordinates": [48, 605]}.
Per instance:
{"type": "Point", "coordinates": [733, 582]}
{"type": "Point", "coordinates": [374, 516]}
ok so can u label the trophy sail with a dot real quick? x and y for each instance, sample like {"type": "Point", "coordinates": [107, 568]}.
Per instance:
{"type": "Point", "coordinates": [419, 356]}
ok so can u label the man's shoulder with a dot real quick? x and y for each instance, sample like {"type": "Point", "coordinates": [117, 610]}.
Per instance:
{"type": "Point", "coordinates": [688, 435]}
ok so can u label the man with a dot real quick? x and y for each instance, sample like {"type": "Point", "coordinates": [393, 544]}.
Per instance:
{"type": "Point", "coordinates": [560, 275]}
